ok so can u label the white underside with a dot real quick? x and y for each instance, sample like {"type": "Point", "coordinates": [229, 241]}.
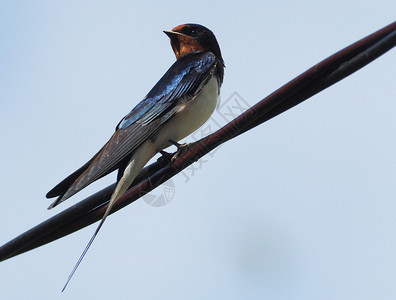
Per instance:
{"type": "Point", "coordinates": [190, 117]}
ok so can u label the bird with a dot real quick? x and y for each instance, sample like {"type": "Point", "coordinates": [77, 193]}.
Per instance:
{"type": "Point", "coordinates": [178, 104]}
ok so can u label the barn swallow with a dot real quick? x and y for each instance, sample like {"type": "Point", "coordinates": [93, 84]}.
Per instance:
{"type": "Point", "coordinates": [181, 101]}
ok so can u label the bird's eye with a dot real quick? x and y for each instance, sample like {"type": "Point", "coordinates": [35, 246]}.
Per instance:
{"type": "Point", "coordinates": [190, 31]}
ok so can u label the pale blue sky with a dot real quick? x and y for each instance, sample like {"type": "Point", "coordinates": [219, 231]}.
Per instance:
{"type": "Point", "coordinates": [302, 207]}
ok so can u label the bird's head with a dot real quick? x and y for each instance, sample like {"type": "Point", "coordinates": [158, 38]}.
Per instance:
{"type": "Point", "coordinates": [189, 38]}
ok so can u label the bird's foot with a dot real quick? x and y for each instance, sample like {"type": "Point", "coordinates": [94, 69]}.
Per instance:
{"type": "Point", "coordinates": [166, 155]}
{"type": "Point", "coordinates": [179, 146]}
{"type": "Point", "coordinates": [181, 149]}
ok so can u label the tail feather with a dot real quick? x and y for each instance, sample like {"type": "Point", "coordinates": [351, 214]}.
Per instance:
{"type": "Point", "coordinates": [64, 186]}
{"type": "Point", "coordinates": [61, 188]}
{"type": "Point", "coordinates": [129, 172]}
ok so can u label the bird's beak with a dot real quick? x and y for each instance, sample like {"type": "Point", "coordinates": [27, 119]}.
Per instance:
{"type": "Point", "coordinates": [174, 40]}
{"type": "Point", "coordinates": [171, 33]}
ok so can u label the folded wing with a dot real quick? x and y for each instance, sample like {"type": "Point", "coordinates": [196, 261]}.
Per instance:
{"type": "Point", "coordinates": [185, 78]}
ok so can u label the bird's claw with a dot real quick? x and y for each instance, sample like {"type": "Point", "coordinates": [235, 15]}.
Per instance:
{"type": "Point", "coordinates": [181, 149]}
{"type": "Point", "coordinates": [166, 155]}
{"type": "Point", "coordinates": [178, 146]}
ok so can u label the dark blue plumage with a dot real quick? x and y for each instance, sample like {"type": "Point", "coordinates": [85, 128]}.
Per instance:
{"type": "Point", "coordinates": [183, 79]}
